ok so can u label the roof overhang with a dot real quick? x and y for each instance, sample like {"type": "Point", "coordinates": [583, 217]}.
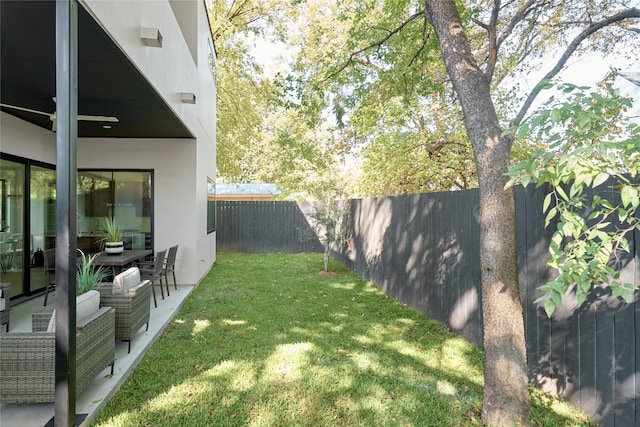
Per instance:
{"type": "Point", "coordinates": [108, 83]}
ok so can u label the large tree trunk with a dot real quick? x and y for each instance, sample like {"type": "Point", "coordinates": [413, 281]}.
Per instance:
{"type": "Point", "coordinates": [506, 396]}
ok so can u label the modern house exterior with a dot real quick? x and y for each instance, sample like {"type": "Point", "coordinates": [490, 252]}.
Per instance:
{"type": "Point", "coordinates": [146, 148]}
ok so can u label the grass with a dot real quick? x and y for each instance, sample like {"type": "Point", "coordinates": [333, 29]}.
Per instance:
{"type": "Point", "coordinates": [265, 340]}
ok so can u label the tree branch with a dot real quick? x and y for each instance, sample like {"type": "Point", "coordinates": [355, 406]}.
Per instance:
{"type": "Point", "coordinates": [493, 43]}
{"type": "Point", "coordinates": [378, 43]}
{"type": "Point", "coordinates": [591, 29]}
{"type": "Point", "coordinates": [496, 38]}
{"type": "Point", "coordinates": [522, 13]}
{"type": "Point", "coordinates": [424, 42]}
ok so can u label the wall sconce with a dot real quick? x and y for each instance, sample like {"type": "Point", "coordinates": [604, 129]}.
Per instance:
{"type": "Point", "coordinates": [188, 98]}
{"type": "Point", "coordinates": [151, 36]}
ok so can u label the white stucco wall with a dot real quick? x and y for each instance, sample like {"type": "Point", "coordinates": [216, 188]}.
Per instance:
{"type": "Point", "coordinates": [181, 167]}
{"type": "Point", "coordinates": [176, 206]}
{"type": "Point", "coordinates": [170, 68]}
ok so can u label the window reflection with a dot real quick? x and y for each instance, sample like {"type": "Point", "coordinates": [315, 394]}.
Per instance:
{"type": "Point", "coordinates": [125, 196]}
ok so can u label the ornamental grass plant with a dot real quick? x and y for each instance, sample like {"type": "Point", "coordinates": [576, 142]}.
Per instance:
{"type": "Point", "coordinates": [113, 230]}
{"type": "Point", "coordinates": [88, 276]}
{"type": "Point", "coordinates": [266, 340]}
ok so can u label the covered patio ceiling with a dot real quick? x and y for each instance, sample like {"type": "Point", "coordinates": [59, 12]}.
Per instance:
{"type": "Point", "coordinates": [108, 84]}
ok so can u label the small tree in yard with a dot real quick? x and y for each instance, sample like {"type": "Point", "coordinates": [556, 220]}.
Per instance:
{"type": "Point", "coordinates": [326, 219]}
{"type": "Point", "coordinates": [327, 211]}
{"type": "Point", "coordinates": [310, 165]}
{"type": "Point", "coordinates": [585, 142]}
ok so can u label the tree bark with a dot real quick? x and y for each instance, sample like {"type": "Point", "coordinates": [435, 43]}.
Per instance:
{"type": "Point", "coordinates": [506, 395]}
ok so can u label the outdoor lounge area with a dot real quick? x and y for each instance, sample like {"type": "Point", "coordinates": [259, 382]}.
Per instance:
{"type": "Point", "coordinates": [98, 391]}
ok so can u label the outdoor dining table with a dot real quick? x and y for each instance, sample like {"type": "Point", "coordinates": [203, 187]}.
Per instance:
{"type": "Point", "coordinates": [118, 261]}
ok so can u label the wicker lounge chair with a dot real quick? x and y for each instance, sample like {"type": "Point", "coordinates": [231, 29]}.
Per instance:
{"type": "Point", "coordinates": [27, 360]}
{"type": "Point", "coordinates": [132, 308]}
{"type": "Point", "coordinates": [5, 293]}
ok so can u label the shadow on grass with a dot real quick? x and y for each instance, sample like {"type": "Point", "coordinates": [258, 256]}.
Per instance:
{"type": "Point", "coordinates": [266, 340]}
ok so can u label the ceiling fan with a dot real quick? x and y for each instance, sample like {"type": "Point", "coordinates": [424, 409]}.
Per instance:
{"type": "Point", "coordinates": [52, 116]}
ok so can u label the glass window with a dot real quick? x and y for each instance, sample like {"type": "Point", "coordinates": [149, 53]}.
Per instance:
{"type": "Point", "coordinates": [211, 206]}
{"type": "Point", "coordinates": [125, 196]}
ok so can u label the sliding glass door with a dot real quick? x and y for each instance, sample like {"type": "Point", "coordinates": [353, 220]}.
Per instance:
{"type": "Point", "coordinates": [27, 223]}
{"type": "Point", "coordinates": [42, 222]}
{"type": "Point", "coordinates": [12, 238]}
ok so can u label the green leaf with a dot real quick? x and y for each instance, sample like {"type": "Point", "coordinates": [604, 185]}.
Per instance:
{"type": "Point", "coordinates": [552, 214]}
{"type": "Point", "coordinates": [562, 193]}
{"type": "Point", "coordinates": [522, 131]}
{"type": "Point", "coordinates": [624, 244]}
{"type": "Point", "coordinates": [600, 179]}
{"type": "Point", "coordinates": [556, 297]}
{"type": "Point", "coordinates": [581, 297]}
{"type": "Point", "coordinates": [546, 202]}
{"type": "Point", "coordinates": [544, 84]}
{"type": "Point", "coordinates": [629, 196]}
{"type": "Point", "coordinates": [549, 308]}
{"type": "Point", "coordinates": [583, 121]}
{"type": "Point", "coordinates": [623, 214]}
{"type": "Point", "coordinates": [625, 291]}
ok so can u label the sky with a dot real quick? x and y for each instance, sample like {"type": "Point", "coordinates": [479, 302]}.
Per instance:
{"type": "Point", "coordinates": [269, 55]}
{"type": "Point", "coordinates": [592, 69]}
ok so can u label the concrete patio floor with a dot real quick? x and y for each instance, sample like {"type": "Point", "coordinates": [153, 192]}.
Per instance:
{"type": "Point", "coordinates": [95, 397]}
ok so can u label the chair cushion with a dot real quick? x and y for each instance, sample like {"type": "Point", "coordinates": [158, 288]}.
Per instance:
{"type": "Point", "coordinates": [126, 280]}
{"type": "Point", "coordinates": [86, 304]}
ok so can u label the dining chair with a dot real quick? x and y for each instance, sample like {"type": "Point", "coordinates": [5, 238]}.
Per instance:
{"type": "Point", "coordinates": [6, 255]}
{"type": "Point", "coordinates": [49, 256]}
{"type": "Point", "coordinates": [152, 271]}
{"type": "Point", "coordinates": [169, 267]}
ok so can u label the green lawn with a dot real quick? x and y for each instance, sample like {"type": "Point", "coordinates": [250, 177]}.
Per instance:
{"type": "Point", "coordinates": [265, 340]}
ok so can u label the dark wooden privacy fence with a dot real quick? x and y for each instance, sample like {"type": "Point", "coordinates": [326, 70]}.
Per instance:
{"type": "Point", "coordinates": [423, 250]}
{"type": "Point", "coordinates": [260, 227]}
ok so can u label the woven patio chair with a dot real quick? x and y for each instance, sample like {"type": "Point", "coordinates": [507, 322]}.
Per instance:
{"type": "Point", "coordinates": [27, 359]}
{"type": "Point", "coordinates": [132, 307]}
{"type": "Point", "coordinates": [5, 293]}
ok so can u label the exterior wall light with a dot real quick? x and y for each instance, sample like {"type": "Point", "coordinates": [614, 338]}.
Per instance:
{"type": "Point", "coordinates": [151, 36]}
{"type": "Point", "coordinates": [188, 97]}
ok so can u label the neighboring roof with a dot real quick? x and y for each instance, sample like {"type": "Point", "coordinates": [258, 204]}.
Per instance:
{"type": "Point", "coordinates": [631, 76]}
{"type": "Point", "coordinates": [108, 84]}
{"type": "Point", "coordinates": [247, 189]}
